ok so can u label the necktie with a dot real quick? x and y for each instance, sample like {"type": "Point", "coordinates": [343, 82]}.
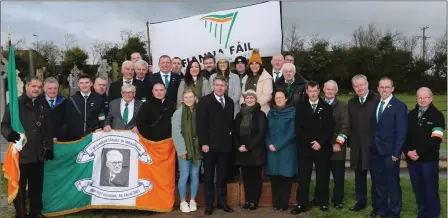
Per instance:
{"type": "Point", "coordinates": [125, 114]}
{"type": "Point", "coordinates": [221, 99]}
{"type": "Point", "coordinates": [127, 82]}
{"type": "Point", "coordinates": [361, 100]}
{"type": "Point", "coordinates": [85, 97]}
{"type": "Point", "coordinates": [288, 88]}
{"type": "Point", "coordinates": [167, 83]}
{"type": "Point", "coordinates": [32, 101]}
{"type": "Point", "coordinates": [420, 114]}
{"type": "Point", "coordinates": [52, 104]}
{"type": "Point", "coordinates": [327, 101]}
{"type": "Point", "coordinates": [277, 75]}
{"type": "Point", "coordinates": [380, 111]}
{"type": "Point", "coordinates": [314, 107]}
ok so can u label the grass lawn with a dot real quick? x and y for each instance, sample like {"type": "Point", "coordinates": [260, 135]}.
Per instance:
{"type": "Point", "coordinates": [439, 101]}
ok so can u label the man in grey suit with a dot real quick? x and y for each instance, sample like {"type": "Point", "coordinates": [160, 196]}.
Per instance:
{"type": "Point", "coordinates": [123, 111]}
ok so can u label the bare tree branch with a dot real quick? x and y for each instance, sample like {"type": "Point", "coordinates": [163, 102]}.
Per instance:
{"type": "Point", "coordinates": [292, 40]}
{"type": "Point", "coordinates": [366, 37]}
{"type": "Point", "coordinates": [70, 41]}
{"type": "Point", "coordinates": [99, 49]}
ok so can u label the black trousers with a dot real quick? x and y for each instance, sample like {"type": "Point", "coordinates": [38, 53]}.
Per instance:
{"type": "Point", "coordinates": [218, 160]}
{"type": "Point", "coordinates": [338, 171]}
{"type": "Point", "coordinates": [33, 174]}
{"type": "Point", "coordinates": [322, 164]}
{"type": "Point", "coordinates": [281, 191]}
{"type": "Point", "coordinates": [252, 183]}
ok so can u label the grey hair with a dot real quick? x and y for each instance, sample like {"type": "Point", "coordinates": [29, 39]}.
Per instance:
{"type": "Point", "coordinates": [102, 78]}
{"type": "Point", "coordinates": [126, 63]}
{"type": "Point", "coordinates": [51, 80]}
{"type": "Point", "coordinates": [142, 62]}
{"type": "Point", "coordinates": [279, 55]}
{"type": "Point", "coordinates": [219, 77]}
{"type": "Point", "coordinates": [359, 76]}
{"type": "Point", "coordinates": [333, 83]}
{"type": "Point", "coordinates": [129, 86]}
{"type": "Point", "coordinates": [28, 79]}
{"type": "Point", "coordinates": [288, 66]}
{"type": "Point", "coordinates": [425, 88]}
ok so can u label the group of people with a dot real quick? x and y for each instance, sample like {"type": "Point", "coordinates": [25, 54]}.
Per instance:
{"type": "Point", "coordinates": [250, 118]}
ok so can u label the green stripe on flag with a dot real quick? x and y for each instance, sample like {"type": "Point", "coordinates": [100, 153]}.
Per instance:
{"type": "Point", "coordinates": [12, 94]}
{"type": "Point", "coordinates": [437, 129]}
{"type": "Point", "coordinates": [62, 196]}
{"type": "Point", "coordinates": [218, 16]}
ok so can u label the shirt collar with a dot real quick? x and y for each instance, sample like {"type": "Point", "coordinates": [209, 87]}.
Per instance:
{"type": "Point", "coordinates": [88, 94]}
{"type": "Point", "coordinates": [124, 80]}
{"type": "Point", "coordinates": [293, 80]}
{"type": "Point", "coordinates": [218, 97]}
{"type": "Point", "coordinates": [129, 104]}
{"type": "Point", "coordinates": [387, 100]}
{"type": "Point", "coordinates": [162, 74]}
{"type": "Point", "coordinates": [48, 98]}
{"type": "Point", "coordinates": [365, 96]}
{"type": "Point", "coordinates": [317, 102]}
{"type": "Point", "coordinates": [330, 101]}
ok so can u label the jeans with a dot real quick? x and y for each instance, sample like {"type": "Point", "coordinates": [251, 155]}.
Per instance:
{"type": "Point", "coordinates": [186, 169]}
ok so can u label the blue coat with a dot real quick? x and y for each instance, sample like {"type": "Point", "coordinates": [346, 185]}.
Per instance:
{"type": "Point", "coordinates": [280, 133]}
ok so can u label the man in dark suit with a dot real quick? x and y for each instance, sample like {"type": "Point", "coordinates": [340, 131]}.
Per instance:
{"type": "Point", "coordinates": [100, 88]}
{"type": "Point", "coordinates": [214, 127]}
{"type": "Point", "coordinates": [165, 76]}
{"type": "Point", "coordinates": [56, 102]}
{"type": "Point", "coordinates": [114, 175]}
{"type": "Point", "coordinates": [293, 83]}
{"type": "Point", "coordinates": [360, 109]}
{"type": "Point", "coordinates": [314, 128]}
{"type": "Point", "coordinates": [127, 69]}
{"type": "Point", "coordinates": [123, 112]}
{"type": "Point", "coordinates": [389, 135]}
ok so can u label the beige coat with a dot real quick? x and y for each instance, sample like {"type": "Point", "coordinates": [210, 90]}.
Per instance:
{"type": "Point", "coordinates": [264, 90]}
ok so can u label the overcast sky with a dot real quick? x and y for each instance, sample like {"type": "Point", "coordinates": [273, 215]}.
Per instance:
{"type": "Point", "coordinates": [91, 21]}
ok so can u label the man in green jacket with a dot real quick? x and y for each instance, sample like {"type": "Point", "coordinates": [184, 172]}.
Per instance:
{"type": "Point", "coordinates": [341, 132]}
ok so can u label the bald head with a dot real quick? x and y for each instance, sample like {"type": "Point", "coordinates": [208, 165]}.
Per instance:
{"type": "Point", "coordinates": [424, 97]}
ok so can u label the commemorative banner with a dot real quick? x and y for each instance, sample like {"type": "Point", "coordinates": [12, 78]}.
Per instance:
{"type": "Point", "coordinates": [234, 32]}
{"type": "Point", "coordinates": [116, 170]}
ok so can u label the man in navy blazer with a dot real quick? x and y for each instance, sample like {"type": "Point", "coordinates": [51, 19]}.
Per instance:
{"type": "Point", "coordinates": [165, 76]}
{"type": "Point", "coordinates": [389, 135]}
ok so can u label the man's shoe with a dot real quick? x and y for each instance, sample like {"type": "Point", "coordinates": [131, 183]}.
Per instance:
{"type": "Point", "coordinates": [338, 206]}
{"type": "Point", "coordinates": [373, 214]}
{"type": "Point", "coordinates": [298, 210]}
{"type": "Point", "coordinates": [357, 207]}
{"type": "Point", "coordinates": [253, 206]}
{"type": "Point", "coordinates": [208, 211]}
{"type": "Point", "coordinates": [246, 206]}
{"type": "Point", "coordinates": [225, 208]}
{"type": "Point", "coordinates": [324, 208]}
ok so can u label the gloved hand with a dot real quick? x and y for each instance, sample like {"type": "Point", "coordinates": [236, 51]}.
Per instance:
{"type": "Point", "coordinates": [13, 137]}
{"type": "Point", "coordinates": [49, 155]}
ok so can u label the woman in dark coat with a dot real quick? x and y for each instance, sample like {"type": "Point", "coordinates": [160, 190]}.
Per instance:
{"type": "Point", "coordinates": [282, 151]}
{"type": "Point", "coordinates": [250, 132]}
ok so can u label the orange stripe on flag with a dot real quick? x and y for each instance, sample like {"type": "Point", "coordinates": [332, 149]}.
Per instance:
{"type": "Point", "coordinates": [160, 173]}
{"type": "Point", "coordinates": [437, 135]}
{"type": "Point", "coordinates": [12, 172]}
{"type": "Point", "coordinates": [219, 20]}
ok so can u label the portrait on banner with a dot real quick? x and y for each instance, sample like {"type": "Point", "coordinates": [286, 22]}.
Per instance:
{"type": "Point", "coordinates": [115, 167]}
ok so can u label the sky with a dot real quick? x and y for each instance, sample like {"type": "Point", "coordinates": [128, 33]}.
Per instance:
{"type": "Point", "coordinates": [103, 20]}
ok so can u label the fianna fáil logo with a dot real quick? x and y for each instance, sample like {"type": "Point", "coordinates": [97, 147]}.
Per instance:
{"type": "Point", "coordinates": [220, 26]}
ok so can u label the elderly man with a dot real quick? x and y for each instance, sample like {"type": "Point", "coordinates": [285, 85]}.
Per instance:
{"type": "Point", "coordinates": [100, 87]}
{"type": "Point", "coordinates": [154, 116]}
{"type": "Point", "coordinates": [141, 70]}
{"type": "Point", "coordinates": [289, 58]}
{"type": "Point", "coordinates": [127, 69]}
{"type": "Point", "coordinates": [56, 102]}
{"type": "Point", "coordinates": [389, 135]}
{"type": "Point", "coordinates": [209, 66]}
{"type": "Point", "coordinates": [165, 76]}
{"type": "Point", "coordinates": [339, 140]}
{"type": "Point", "coordinates": [240, 65]}
{"type": "Point", "coordinates": [123, 112]}
{"type": "Point", "coordinates": [360, 109]}
{"type": "Point", "coordinates": [36, 122]}
{"type": "Point", "coordinates": [177, 66]}
{"type": "Point", "coordinates": [216, 142]}
{"type": "Point", "coordinates": [293, 83]}
{"type": "Point", "coordinates": [425, 133]}
{"type": "Point", "coordinates": [114, 175]}
{"type": "Point", "coordinates": [277, 64]}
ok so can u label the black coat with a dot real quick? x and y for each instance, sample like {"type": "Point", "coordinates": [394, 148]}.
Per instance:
{"type": "Point", "coordinates": [57, 115]}
{"type": "Point", "coordinates": [105, 110]}
{"type": "Point", "coordinates": [115, 89]}
{"type": "Point", "coordinates": [215, 124]}
{"type": "Point", "coordinates": [30, 114]}
{"type": "Point", "coordinates": [360, 138]}
{"type": "Point", "coordinates": [314, 126]}
{"type": "Point", "coordinates": [154, 119]}
{"type": "Point", "coordinates": [204, 73]}
{"type": "Point", "coordinates": [342, 126]}
{"type": "Point", "coordinates": [89, 111]}
{"type": "Point", "coordinates": [297, 93]}
{"type": "Point", "coordinates": [171, 93]}
{"type": "Point", "coordinates": [255, 142]}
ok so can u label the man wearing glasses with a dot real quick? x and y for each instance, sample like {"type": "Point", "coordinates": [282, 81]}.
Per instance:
{"type": "Point", "coordinates": [123, 112]}
{"type": "Point", "coordinates": [389, 135]}
{"type": "Point", "coordinates": [116, 177]}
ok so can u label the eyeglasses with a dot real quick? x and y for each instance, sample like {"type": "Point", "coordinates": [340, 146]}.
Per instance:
{"type": "Point", "coordinates": [360, 85]}
{"type": "Point", "coordinates": [384, 87]}
{"type": "Point", "coordinates": [127, 93]}
{"type": "Point", "coordinates": [117, 163]}
{"type": "Point", "coordinates": [423, 98]}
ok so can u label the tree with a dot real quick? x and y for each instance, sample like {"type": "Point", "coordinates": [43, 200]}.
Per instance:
{"type": "Point", "coordinates": [111, 55]}
{"type": "Point", "coordinates": [74, 56]}
{"type": "Point", "coordinates": [292, 41]}
{"type": "Point", "coordinates": [18, 44]}
{"type": "Point", "coordinates": [98, 50]}
{"type": "Point", "coordinates": [366, 37]}
{"type": "Point", "coordinates": [70, 42]}
{"type": "Point", "coordinates": [51, 52]}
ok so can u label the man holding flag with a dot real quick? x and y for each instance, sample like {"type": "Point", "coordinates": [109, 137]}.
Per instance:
{"type": "Point", "coordinates": [27, 126]}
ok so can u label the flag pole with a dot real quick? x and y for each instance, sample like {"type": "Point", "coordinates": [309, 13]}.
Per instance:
{"type": "Point", "coordinates": [149, 43]}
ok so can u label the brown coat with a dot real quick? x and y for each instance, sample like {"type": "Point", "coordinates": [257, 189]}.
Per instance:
{"type": "Point", "coordinates": [264, 90]}
{"type": "Point", "coordinates": [361, 130]}
{"type": "Point", "coordinates": [342, 126]}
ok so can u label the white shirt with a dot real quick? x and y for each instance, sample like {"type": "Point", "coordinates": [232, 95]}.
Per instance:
{"type": "Point", "coordinates": [292, 81]}
{"type": "Point", "coordinates": [163, 77]}
{"type": "Point", "coordinates": [88, 94]}
{"type": "Point", "coordinates": [48, 99]}
{"type": "Point", "coordinates": [311, 103]}
{"type": "Point", "coordinates": [142, 79]}
{"type": "Point", "coordinates": [330, 101]}
{"type": "Point", "coordinates": [365, 97]}
{"type": "Point", "coordinates": [130, 109]}
{"type": "Point", "coordinates": [386, 102]}
{"type": "Point", "coordinates": [124, 81]}
{"type": "Point", "coordinates": [219, 99]}
{"type": "Point", "coordinates": [274, 75]}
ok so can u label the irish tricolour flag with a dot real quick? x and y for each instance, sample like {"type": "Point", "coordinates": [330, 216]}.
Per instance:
{"type": "Point", "coordinates": [117, 170]}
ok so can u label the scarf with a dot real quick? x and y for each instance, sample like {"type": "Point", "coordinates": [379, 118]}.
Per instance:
{"type": "Point", "coordinates": [251, 82]}
{"type": "Point", "coordinates": [188, 129]}
{"type": "Point", "coordinates": [197, 88]}
{"type": "Point", "coordinates": [246, 120]}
